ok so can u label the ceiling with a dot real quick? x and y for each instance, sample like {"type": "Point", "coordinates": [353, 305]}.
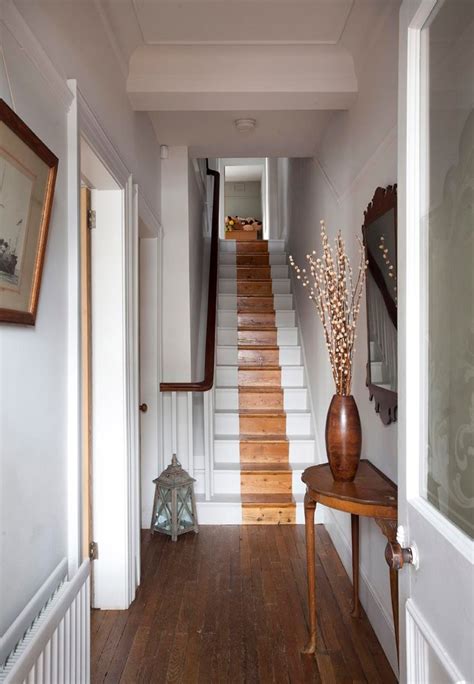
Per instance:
{"type": "Point", "coordinates": [197, 21]}
{"type": "Point", "coordinates": [197, 65]}
{"type": "Point", "coordinates": [244, 173]}
{"type": "Point", "coordinates": [213, 134]}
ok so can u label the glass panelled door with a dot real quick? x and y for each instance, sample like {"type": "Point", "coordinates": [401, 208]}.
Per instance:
{"type": "Point", "coordinates": [436, 251]}
{"type": "Point", "coordinates": [447, 216]}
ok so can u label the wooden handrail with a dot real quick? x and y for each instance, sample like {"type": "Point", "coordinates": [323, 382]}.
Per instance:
{"type": "Point", "coordinates": [208, 381]}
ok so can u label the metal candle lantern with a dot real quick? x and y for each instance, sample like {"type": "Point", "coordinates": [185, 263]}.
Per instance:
{"type": "Point", "coordinates": [174, 506]}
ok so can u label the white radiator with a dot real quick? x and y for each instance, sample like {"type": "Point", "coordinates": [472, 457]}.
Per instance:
{"type": "Point", "coordinates": [51, 646]}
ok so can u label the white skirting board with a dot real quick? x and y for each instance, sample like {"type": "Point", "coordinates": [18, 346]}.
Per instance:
{"type": "Point", "coordinates": [55, 648]}
{"type": "Point", "coordinates": [379, 618]}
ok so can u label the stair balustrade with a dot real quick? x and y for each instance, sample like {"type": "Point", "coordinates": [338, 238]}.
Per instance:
{"type": "Point", "coordinates": [178, 411]}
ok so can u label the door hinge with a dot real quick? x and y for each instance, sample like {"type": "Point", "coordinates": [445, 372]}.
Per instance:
{"type": "Point", "coordinates": [93, 550]}
{"type": "Point", "coordinates": [91, 219]}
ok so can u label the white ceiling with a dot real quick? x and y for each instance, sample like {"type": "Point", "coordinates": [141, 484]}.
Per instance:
{"type": "Point", "coordinates": [213, 134]}
{"type": "Point", "coordinates": [244, 173]}
{"type": "Point", "coordinates": [197, 65]}
{"type": "Point", "coordinates": [198, 21]}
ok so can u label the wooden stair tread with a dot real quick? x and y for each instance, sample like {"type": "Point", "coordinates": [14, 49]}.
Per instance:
{"type": "Point", "coordinates": [255, 313]}
{"type": "Point", "coordinates": [265, 467]}
{"type": "Point", "coordinates": [260, 347]}
{"type": "Point", "coordinates": [267, 499]}
{"type": "Point", "coordinates": [250, 389]}
{"type": "Point", "coordinates": [266, 477]}
{"type": "Point", "coordinates": [261, 412]}
{"type": "Point", "coordinates": [260, 368]}
{"type": "Point", "coordinates": [273, 439]}
{"type": "Point", "coordinates": [246, 328]}
{"type": "Point", "coordinates": [253, 295]}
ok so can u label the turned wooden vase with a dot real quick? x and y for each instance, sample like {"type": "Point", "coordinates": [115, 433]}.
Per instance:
{"type": "Point", "coordinates": [343, 438]}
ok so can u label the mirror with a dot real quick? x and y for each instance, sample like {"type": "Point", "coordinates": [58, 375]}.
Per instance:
{"type": "Point", "coordinates": [380, 238]}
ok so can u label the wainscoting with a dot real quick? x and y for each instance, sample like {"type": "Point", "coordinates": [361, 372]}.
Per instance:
{"type": "Point", "coordinates": [229, 605]}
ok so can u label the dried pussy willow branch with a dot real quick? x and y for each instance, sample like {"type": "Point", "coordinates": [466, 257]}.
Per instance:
{"type": "Point", "coordinates": [336, 296]}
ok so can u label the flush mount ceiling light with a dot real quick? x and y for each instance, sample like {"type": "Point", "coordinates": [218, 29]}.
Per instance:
{"type": "Point", "coordinates": [245, 125]}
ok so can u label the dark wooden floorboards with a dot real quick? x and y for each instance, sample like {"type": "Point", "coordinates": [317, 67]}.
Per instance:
{"type": "Point", "coordinates": [229, 605]}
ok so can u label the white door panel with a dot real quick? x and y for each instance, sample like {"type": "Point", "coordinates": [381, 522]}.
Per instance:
{"type": "Point", "coordinates": [436, 339]}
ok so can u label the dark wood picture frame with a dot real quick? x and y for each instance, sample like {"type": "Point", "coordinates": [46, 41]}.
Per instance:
{"type": "Point", "coordinates": [36, 231]}
{"type": "Point", "coordinates": [383, 201]}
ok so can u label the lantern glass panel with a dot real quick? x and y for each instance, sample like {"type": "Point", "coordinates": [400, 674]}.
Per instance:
{"type": "Point", "coordinates": [185, 507]}
{"type": "Point", "coordinates": [163, 514]}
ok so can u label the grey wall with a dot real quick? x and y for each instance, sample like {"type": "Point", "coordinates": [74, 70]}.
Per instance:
{"type": "Point", "coordinates": [358, 152]}
{"type": "Point", "coordinates": [243, 199]}
{"type": "Point", "coordinates": [34, 360]}
{"type": "Point", "coordinates": [196, 268]}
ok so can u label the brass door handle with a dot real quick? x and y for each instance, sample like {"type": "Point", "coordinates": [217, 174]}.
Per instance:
{"type": "Point", "coordinates": [143, 408]}
{"type": "Point", "coordinates": [397, 556]}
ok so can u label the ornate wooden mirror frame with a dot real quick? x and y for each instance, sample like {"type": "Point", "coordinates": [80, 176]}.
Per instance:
{"type": "Point", "coordinates": [382, 262]}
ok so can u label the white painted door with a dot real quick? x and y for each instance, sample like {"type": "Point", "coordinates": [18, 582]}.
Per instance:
{"type": "Point", "coordinates": [436, 332]}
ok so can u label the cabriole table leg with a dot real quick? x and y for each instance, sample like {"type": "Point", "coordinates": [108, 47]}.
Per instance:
{"type": "Point", "coordinates": [355, 565]}
{"type": "Point", "coordinates": [309, 511]}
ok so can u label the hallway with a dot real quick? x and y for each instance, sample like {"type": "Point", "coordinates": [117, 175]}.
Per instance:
{"type": "Point", "coordinates": [228, 605]}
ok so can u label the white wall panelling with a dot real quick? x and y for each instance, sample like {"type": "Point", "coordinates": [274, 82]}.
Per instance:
{"type": "Point", "coordinates": [428, 660]}
{"type": "Point", "coordinates": [357, 153]}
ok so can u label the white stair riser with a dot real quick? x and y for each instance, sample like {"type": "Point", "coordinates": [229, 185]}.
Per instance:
{"type": "Point", "coordinates": [227, 399]}
{"type": "Point", "coordinates": [227, 451]}
{"type": "Point", "coordinates": [226, 376]}
{"type": "Point", "coordinates": [228, 481]}
{"type": "Point", "coordinates": [274, 246]}
{"type": "Point", "coordinates": [281, 301]}
{"type": "Point", "coordinates": [300, 451]}
{"type": "Point", "coordinates": [229, 286]}
{"type": "Point", "coordinates": [286, 337]}
{"type": "Point", "coordinates": [298, 487]}
{"type": "Point", "coordinates": [288, 356]}
{"type": "Point", "coordinates": [275, 259]}
{"type": "Point", "coordinates": [295, 399]}
{"type": "Point", "coordinates": [291, 376]}
{"type": "Point", "coordinates": [229, 271]}
{"type": "Point", "coordinates": [227, 424]}
{"type": "Point", "coordinates": [220, 513]}
{"type": "Point", "coordinates": [228, 319]}
{"type": "Point", "coordinates": [227, 336]}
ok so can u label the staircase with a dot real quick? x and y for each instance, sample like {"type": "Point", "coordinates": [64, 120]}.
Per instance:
{"type": "Point", "coordinates": [263, 436]}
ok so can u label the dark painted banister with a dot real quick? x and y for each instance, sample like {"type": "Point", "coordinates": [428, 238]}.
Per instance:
{"type": "Point", "coordinates": [208, 381]}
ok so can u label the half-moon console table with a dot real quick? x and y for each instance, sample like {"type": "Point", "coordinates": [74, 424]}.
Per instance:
{"type": "Point", "coordinates": [371, 494]}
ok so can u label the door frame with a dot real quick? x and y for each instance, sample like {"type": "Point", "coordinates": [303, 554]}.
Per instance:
{"type": "Point", "coordinates": [416, 635]}
{"type": "Point", "coordinates": [82, 123]}
{"type": "Point", "coordinates": [86, 369]}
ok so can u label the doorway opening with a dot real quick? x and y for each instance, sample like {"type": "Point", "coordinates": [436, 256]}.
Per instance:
{"type": "Point", "coordinates": [243, 198]}
{"type": "Point", "coordinates": [109, 365]}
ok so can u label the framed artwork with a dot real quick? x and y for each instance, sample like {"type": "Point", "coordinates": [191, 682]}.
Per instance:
{"type": "Point", "coordinates": [28, 172]}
